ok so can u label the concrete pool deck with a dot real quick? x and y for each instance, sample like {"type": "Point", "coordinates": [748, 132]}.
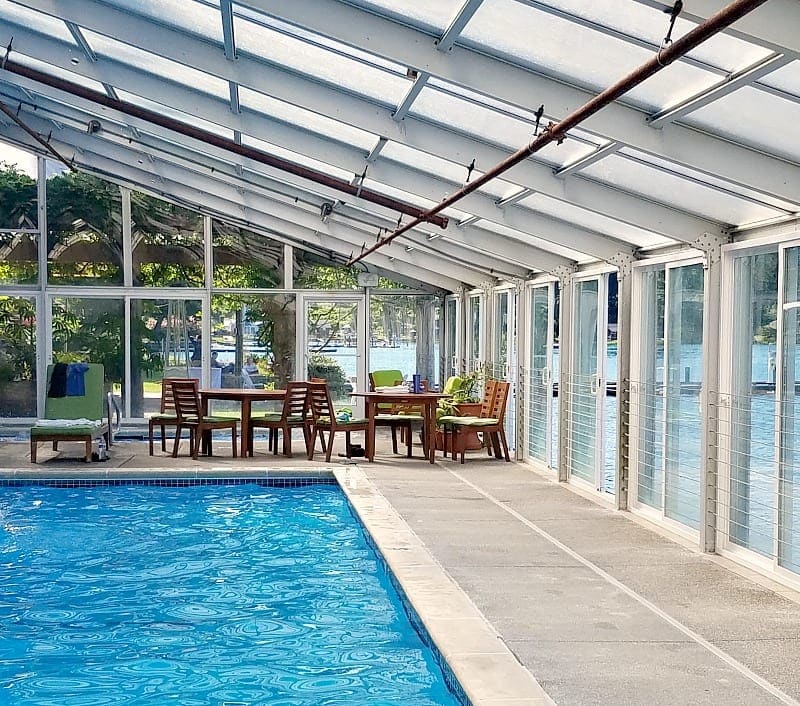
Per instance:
{"type": "Point", "coordinates": [597, 607]}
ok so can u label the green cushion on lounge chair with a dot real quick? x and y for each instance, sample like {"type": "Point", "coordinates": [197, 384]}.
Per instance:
{"type": "Point", "coordinates": [73, 430]}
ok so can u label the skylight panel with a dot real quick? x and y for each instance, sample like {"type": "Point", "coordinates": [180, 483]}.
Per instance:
{"type": "Point", "coordinates": [160, 67]}
{"type": "Point", "coordinates": [787, 78]}
{"type": "Point", "coordinates": [35, 21]}
{"type": "Point", "coordinates": [597, 222]}
{"type": "Point", "coordinates": [319, 63]}
{"type": "Point", "coordinates": [168, 111]}
{"type": "Point", "coordinates": [755, 118]}
{"type": "Point", "coordinates": [536, 242]}
{"type": "Point", "coordinates": [433, 16]}
{"type": "Point", "coordinates": [488, 126]}
{"type": "Point", "coordinates": [582, 56]}
{"type": "Point", "coordinates": [306, 120]}
{"type": "Point", "coordinates": [189, 15]}
{"type": "Point", "coordinates": [297, 158]}
{"type": "Point", "coordinates": [58, 72]}
{"type": "Point", "coordinates": [678, 191]}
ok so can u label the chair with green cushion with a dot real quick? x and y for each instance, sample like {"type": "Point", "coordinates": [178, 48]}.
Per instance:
{"type": "Point", "coordinates": [91, 406]}
{"type": "Point", "coordinates": [295, 414]}
{"type": "Point", "coordinates": [392, 415]}
{"type": "Point", "coordinates": [324, 419]}
{"type": "Point", "coordinates": [492, 425]}
{"type": "Point", "coordinates": [167, 415]}
{"type": "Point", "coordinates": [189, 410]}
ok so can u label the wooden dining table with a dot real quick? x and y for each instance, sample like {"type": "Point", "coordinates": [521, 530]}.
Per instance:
{"type": "Point", "coordinates": [245, 396]}
{"type": "Point", "coordinates": [426, 400]}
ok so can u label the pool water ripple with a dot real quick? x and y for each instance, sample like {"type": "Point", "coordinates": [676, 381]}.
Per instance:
{"type": "Point", "coordinates": [200, 595]}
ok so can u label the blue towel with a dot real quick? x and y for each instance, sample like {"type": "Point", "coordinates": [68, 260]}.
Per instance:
{"type": "Point", "coordinates": [75, 383]}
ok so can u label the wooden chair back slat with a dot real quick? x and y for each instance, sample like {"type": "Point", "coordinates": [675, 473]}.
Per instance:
{"type": "Point", "coordinates": [500, 400]}
{"type": "Point", "coordinates": [187, 397]}
{"type": "Point", "coordinates": [295, 404]}
{"type": "Point", "coordinates": [319, 399]}
{"type": "Point", "coordinates": [489, 395]}
{"type": "Point", "coordinates": [167, 397]}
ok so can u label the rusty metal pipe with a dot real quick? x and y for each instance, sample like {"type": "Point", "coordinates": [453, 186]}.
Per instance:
{"type": "Point", "coordinates": [209, 138]}
{"type": "Point", "coordinates": [44, 143]}
{"type": "Point", "coordinates": [555, 132]}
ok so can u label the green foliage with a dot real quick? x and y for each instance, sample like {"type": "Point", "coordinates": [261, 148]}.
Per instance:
{"type": "Point", "coordinates": [321, 366]}
{"type": "Point", "coordinates": [18, 202]}
{"type": "Point", "coordinates": [17, 338]}
{"type": "Point", "coordinates": [468, 391]}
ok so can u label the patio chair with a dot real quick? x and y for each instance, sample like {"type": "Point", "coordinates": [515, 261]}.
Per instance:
{"type": "Point", "coordinates": [295, 415]}
{"type": "Point", "coordinates": [83, 418]}
{"type": "Point", "coordinates": [492, 427]}
{"type": "Point", "coordinates": [447, 421]}
{"type": "Point", "coordinates": [167, 415]}
{"type": "Point", "coordinates": [324, 419]}
{"type": "Point", "coordinates": [389, 414]}
{"type": "Point", "coordinates": [188, 409]}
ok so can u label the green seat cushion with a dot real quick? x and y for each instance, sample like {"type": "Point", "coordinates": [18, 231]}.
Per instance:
{"type": "Point", "coordinates": [217, 420]}
{"type": "Point", "coordinates": [476, 422]}
{"type": "Point", "coordinates": [386, 378]}
{"type": "Point", "coordinates": [164, 418]}
{"type": "Point", "coordinates": [274, 417]}
{"type": "Point", "coordinates": [326, 421]}
{"type": "Point", "coordinates": [448, 419]}
{"type": "Point", "coordinates": [67, 431]}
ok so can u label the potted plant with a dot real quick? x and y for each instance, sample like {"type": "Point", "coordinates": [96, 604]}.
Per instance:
{"type": "Point", "coordinates": [464, 401]}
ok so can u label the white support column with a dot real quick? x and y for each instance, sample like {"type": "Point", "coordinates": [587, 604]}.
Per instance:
{"type": "Point", "coordinates": [205, 329]}
{"type": "Point", "coordinates": [126, 375]}
{"type": "Point", "coordinates": [127, 237]}
{"type": "Point", "coordinates": [624, 332]}
{"type": "Point", "coordinates": [520, 329]}
{"type": "Point", "coordinates": [44, 338]}
{"type": "Point", "coordinates": [288, 266]}
{"type": "Point", "coordinates": [712, 295]}
{"type": "Point", "coordinates": [566, 287]}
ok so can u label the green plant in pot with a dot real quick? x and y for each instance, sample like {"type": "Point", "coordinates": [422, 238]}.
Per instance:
{"type": "Point", "coordinates": [465, 390]}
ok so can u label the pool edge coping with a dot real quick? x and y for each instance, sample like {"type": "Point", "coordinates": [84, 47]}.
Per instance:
{"type": "Point", "coordinates": [487, 670]}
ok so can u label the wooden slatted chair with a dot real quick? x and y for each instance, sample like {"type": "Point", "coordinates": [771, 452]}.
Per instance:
{"type": "Point", "coordinates": [492, 427]}
{"type": "Point", "coordinates": [167, 416]}
{"type": "Point", "coordinates": [448, 422]}
{"type": "Point", "coordinates": [389, 415]}
{"type": "Point", "coordinates": [295, 415]}
{"type": "Point", "coordinates": [324, 419]}
{"type": "Point", "coordinates": [188, 408]}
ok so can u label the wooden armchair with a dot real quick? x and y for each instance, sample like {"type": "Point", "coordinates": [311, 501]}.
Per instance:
{"type": "Point", "coordinates": [189, 411]}
{"type": "Point", "coordinates": [295, 414]}
{"type": "Point", "coordinates": [324, 419]}
{"type": "Point", "coordinates": [492, 427]}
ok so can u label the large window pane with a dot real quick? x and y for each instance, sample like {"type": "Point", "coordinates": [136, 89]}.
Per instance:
{"type": "Point", "coordinates": [245, 259]}
{"type": "Point", "coordinates": [17, 357]}
{"type": "Point", "coordinates": [84, 220]}
{"type": "Point", "coordinates": [166, 342]}
{"type": "Point", "coordinates": [393, 334]}
{"type": "Point", "coordinates": [90, 330]}
{"type": "Point", "coordinates": [167, 244]}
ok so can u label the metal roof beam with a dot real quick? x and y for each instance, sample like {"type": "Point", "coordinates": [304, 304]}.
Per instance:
{"type": "Point", "coordinates": [226, 12]}
{"type": "Point", "coordinates": [408, 100]}
{"type": "Point", "coordinates": [463, 16]}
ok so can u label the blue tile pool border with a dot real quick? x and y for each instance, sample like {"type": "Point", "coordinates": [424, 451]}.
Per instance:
{"type": "Point", "coordinates": [273, 481]}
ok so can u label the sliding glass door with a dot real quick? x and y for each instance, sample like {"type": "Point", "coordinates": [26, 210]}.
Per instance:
{"type": "Point", "coordinates": [540, 372]}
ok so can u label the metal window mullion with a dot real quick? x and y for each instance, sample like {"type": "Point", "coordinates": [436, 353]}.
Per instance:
{"type": "Point", "coordinates": [208, 260]}
{"type": "Point", "coordinates": [127, 237]}
{"type": "Point", "coordinates": [43, 312]}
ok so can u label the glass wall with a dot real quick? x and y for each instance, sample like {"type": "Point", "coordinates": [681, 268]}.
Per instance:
{"type": "Point", "coordinates": [666, 409]}
{"type": "Point", "coordinates": [538, 374]}
{"type": "Point", "coordinates": [17, 356]}
{"type": "Point", "coordinates": [475, 331]}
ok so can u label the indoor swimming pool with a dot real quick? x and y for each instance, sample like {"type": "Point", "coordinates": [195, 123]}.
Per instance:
{"type": "Point", "coordinates": [201, 593]}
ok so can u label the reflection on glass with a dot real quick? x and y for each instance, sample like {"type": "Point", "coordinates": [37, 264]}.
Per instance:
{"type": "Point", "coordinates": [332, 338]}
{"type": "Point", "coordinates": [788, 532]}
{"type": "Point", "coordinates": [18, 200]}
{"type": "Point", "coordinates": [539, 384]}
{"type": "Point", "coordinates": [19, 258]}
{"type": "Point", "coordinates": [752, 436]}
{"type": "Point", "coordinates": [17, 357]}
{"type": "Point", "coordinates": [166, 342]}
{"type": "Point", "coordinates": [399, 338]}
{"type": "Point", "coordinates": [167, 244]}
{"type": "Point", "coordinates": [90, 329]}
{"type": "Point", "coordinates": [450, 361]}
{"type": "Point", "coordinates": [650, 472]}
{"type": "Point", "coordinates": [583, 395]}
{"type": "Point", "coordinates": [244, 259]}
{"type": "Point", "coordinates": [84, 220]}
{"type": "Point", "coordinates": [500, 362]}
{"type": "Point", "coordinates": [474, 338]}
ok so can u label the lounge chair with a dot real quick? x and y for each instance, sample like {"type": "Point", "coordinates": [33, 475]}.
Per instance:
{"type": "Point", "coordinates": [83, 418]}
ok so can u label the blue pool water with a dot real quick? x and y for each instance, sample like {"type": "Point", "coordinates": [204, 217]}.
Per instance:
{"type": "Point", "coordinates": [200, 595]}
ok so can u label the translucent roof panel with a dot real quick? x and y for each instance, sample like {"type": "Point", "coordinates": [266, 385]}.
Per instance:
{"type": "Point", "coordinates": [743, 115]}
{"type": "Point", "coordinates": [596, 222]}
{"type": "Point", "coordinates": [322, 64]}
{"type": "Point", "coordinates": [296, 158]}
{"type": "Point", "coordinates": [512, 30]}
{"type": "Point", "coordinates": [488, 125]}
{"type": "Point", "coordinates": [433, 16]}
{"type": "Point", "coordinates": [306, 120]}
{"type": "Point", "coordinates": [58, 72]}
{"type": "Point", "coordinates": [535, 242]}
{"type": "Point", "coordinates": [787, 78]}
{"type": "Point", "coordinates": [192, 120]}
{"type": "Point", "coordinates": [670, 188]}
{"type": "Point", "coordinates": [188, 15]}
{"type": "Point", "coordinates": [35, 21]}
{"type": "Point", "coordinates": [648, 26]}
{"type": "Point", "coordinates": [161, 68]}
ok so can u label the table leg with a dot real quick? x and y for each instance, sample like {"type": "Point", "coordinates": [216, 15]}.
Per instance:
{"type": "Point", "coordinates": [244, 427]}
{"type": "Point", "coordinates": [430, 429]}
{"type": "Point", "coordinates": [371, 406]}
